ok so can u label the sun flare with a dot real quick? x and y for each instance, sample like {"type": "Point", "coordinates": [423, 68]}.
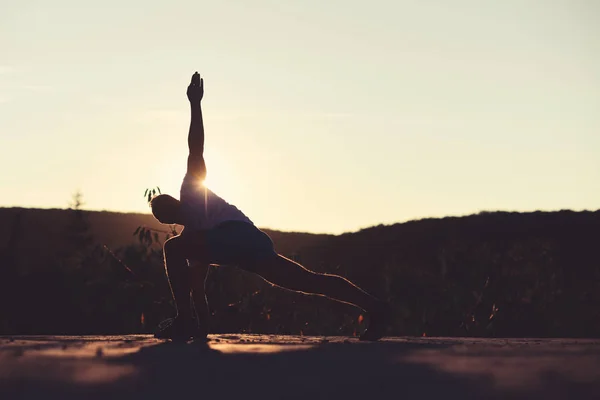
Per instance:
{"type": "Point", "coordinates": [216, 176]}
{"type": "Point", "coordinates": [170, 174]}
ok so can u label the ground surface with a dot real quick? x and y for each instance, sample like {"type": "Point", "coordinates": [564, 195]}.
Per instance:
{"type": "Point", "coordinates": [293, 367]}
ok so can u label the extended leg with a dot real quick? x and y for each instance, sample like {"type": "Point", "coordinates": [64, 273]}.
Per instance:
{"type": "Point", "coordinates": [288, 274]}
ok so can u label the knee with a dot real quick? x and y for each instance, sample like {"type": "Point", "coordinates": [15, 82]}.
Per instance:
{"type": "Point", "coordinates": [304, 281]}
{"type": "Point", "coordinates": [189, 247]}
{"type": "Point", "coordinates": [317, 280]}
{"type": "Point", "coordinates": [174, 247]}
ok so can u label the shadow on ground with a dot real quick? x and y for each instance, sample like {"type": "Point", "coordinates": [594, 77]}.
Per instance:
{"type": "Point", "coordinates": [254, 367]}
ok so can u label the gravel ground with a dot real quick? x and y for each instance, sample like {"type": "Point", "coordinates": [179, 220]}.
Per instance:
{"type": "Point", "coordinates": [232, 366]}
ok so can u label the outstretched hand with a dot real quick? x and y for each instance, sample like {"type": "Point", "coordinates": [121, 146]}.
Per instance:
{"type": "Point", "coordinates": [195, 91]}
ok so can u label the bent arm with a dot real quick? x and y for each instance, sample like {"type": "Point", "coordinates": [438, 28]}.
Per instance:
{"type": "Point", "coordinates": [196, 164]}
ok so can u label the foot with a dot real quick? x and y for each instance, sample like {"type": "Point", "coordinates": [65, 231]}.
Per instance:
{"type": "Point", "coordinates": [179, 330]}
{"type": "Point", "coordinates": [379, 320]}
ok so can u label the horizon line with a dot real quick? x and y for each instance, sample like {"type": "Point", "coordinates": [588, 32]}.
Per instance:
{"type": "Point", "coordinates": [415, 219]}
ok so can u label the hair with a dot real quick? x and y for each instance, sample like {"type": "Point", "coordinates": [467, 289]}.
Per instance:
{"type": "Point", "coordinates": [165, 208]}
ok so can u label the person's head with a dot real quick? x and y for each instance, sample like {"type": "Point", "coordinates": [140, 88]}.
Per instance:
{"type": "Point", "coordinates": [166, 209]}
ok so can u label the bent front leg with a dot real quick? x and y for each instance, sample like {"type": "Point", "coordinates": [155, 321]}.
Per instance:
{"type": "Point", "coordinates": [198, 274]}
{"type": "Point", "coordinates": [178, 274]}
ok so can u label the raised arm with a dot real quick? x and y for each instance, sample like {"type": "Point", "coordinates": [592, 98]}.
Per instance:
{"type": "Point", "coordinates": [196, 165]}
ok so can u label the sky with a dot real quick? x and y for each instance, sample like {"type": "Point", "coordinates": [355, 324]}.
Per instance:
{"type": "Point", "coordinates": [320, 116]}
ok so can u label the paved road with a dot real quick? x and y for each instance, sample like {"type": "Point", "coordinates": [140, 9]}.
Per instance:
{"type": "Point", "coordinates": [293, 367]}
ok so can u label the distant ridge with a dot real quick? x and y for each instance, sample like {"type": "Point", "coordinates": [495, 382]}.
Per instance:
{"type": "Point", "coordinates": [41, 231]}
{"type": "Point", "coordinates": [492, 274]}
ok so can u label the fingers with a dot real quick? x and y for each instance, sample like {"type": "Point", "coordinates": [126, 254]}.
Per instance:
{"type": "Point", "coordinates": [195, 79]}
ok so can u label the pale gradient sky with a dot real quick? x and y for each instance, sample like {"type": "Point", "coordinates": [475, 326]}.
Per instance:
{"type": "Point", "coordinates": [321, 116]}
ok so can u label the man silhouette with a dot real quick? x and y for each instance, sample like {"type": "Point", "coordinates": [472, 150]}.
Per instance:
{"type": "Point", "coordinates": [216, 232]}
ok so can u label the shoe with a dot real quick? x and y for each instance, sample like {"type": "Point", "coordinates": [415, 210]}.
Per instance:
{"type": "Point", "coordinates": [379, 321]}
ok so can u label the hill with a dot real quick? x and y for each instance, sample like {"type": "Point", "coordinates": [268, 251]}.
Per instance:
{"type": "Point", "coordinates": [494, 274]}
{"type": "Point", "coordinates": [41, 233]}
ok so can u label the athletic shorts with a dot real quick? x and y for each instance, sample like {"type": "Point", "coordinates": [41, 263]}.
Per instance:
{"type": "Point", "coordinates": [238, 243]}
